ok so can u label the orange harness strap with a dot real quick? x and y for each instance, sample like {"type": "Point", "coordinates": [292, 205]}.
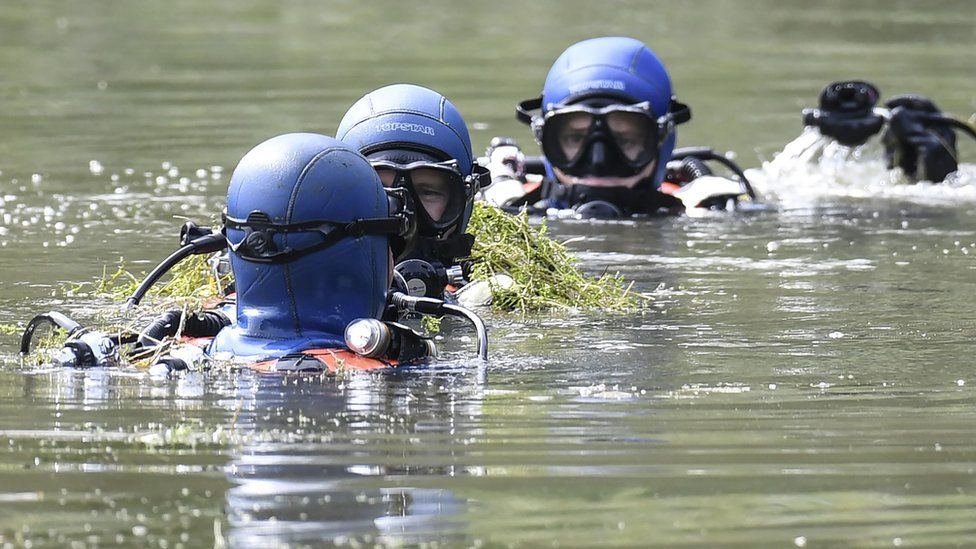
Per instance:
{"type": "Point", "coordinates": [668, 187]}
{"type": "Point", "coordinates": [333, 361]}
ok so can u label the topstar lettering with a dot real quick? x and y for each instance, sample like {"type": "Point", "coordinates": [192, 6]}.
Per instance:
{"type": "Point", "coordinates": [406, 127]}
{"type": "Point", "coordinates": [618, 85]}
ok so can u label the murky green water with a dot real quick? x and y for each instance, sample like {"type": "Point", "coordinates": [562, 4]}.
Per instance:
{"type": "Point", "coordinates": [804, 378]}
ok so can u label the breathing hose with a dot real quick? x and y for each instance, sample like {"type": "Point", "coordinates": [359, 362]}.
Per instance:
{"type": "Point", "coordinates": [209, 243]}
{"type": "Point", "coordinates": [706, 153]}
{"type": "Point", "coordinates": [431, 306]}
{"type": "Point", "coordinates": [694, 167]}
{"type": "Point", "coordinates": [202, 324]}
{"type": "Point", "coordinates": [951, 122]}
{"type": "Point", "coordinates": [53, 318]}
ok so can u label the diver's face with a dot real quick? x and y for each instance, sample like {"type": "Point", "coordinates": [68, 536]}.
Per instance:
{"type": "Point", "coordinates": [607, 181]}
{"type": "Point", "coordinates": [602, 138]}
{"type": "Point", "coordinates": [432, 188]}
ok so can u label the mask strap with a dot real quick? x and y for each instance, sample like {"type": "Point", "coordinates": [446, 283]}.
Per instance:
{"type": "Point", "coordinates": [680, 112]}
{"type": "Point", "coordinates": [480, 177]}
{"type": "Point", "coordinates": [522, 109]}
{"type": "Point", "coordinates": [355, 229]}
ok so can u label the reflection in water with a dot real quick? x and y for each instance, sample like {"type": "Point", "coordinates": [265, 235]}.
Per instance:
{"type": "Point", "coordinates": [73, 441]}
{"type": "Point", "coordinates": [333, 460]}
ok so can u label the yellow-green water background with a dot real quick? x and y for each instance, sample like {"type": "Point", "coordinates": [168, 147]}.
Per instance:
{"type": "Point", "coordinates": [805, 377]}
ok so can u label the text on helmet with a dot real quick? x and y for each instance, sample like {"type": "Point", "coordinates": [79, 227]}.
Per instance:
{"type": "Point", "coordinates": [406, 127]}
{"type": "Point", "coordinates": [618, 85]}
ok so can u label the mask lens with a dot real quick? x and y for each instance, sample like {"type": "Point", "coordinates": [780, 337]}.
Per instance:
{"type": "Point", "coordinates": [387, 176]}
{"type": "Point", "coordinates": [565, 136]}
{"type": "Point", "coordinates": [633, 133]}
{"type": "Point", "coordinates": [435, 190]}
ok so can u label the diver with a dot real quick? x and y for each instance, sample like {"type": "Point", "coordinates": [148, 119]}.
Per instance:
{"type": "Point", "coordinates": [916, 135]}
{"type": "Point", "coordinates": [308, 225]}
{"type": "Point", "coordinates": [606, 123]}
{"type": "Point", "coordinates": [311, 233]}
{"type": "Point", "coordinates": [416, 140]}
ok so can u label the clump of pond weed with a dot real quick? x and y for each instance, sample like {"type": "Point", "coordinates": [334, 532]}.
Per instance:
{"type": "Point", "coordinates": [184, 436]}
{"type": "Point", "coordinates": [191, 284]}
{"type": "Point", "coordinates": [544, 271]}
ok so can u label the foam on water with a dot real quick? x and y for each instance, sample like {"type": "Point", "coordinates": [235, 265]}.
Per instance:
{"type": "Point", "coordinates": [813, 167]}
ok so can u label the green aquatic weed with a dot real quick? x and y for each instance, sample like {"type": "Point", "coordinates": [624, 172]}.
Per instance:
{"type": "Point", "coordinates": [184, 436]}
{"type": "Point", "coordinates": [119, 284]}
{"type": "Point", "coordinates": [544, 271]}
{"type": "Point", "coordinates": [191, 284]}
{"type": "Point", "coordinates": [431, 324]}
{"type": "Point", "coordinates": [45, 346]}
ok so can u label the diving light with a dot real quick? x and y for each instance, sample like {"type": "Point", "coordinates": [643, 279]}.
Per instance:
{"type": "Point", "coordinates": [368, 337]}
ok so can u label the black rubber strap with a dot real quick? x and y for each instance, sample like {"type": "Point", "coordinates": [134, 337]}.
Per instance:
{"type": "Point", "coordinates": [522, 109]}
{"type": "Point", "coordinates": [680, 112]}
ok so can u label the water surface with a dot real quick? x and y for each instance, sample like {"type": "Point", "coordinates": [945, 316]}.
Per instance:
{"type": "Point", "coordinates": [803, 377]}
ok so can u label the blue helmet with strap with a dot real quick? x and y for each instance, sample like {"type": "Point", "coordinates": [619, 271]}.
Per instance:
{"type": "Point", "coordinates": [606, 71]}
{"type": "Point", "coordinates": [406, 125]}
{"type": "Point", "coordinates": [308, 226]}
{"type": "Point", "coordinates": [409, 116]}
{"type": "Point", "coordinates": [612, 66]}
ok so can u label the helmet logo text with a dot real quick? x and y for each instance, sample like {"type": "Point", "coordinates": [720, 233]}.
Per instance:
{"type": "Point", "coordinates": [406, 127]}
{"type": "Point", "coordinates": [618, 85]}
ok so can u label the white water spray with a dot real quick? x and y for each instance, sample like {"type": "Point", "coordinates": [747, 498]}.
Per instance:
{"type": "Point", "coordinates": [813, 167]}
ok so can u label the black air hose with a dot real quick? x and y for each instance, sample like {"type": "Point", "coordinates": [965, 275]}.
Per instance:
{"type": "Point", "coordinates": [202, 324]}
{"type": "Point", "coordinates": [705, 153]}
{"type": "Point", "coordinates": [208, 243]}
{"type": "Point", "coordinates": [53, 318]}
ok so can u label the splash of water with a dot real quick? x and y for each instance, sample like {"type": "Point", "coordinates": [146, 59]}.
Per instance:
{"type": "Point", "coordinates": [813, 167]}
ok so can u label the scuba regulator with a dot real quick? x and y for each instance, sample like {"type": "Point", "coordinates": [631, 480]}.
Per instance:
{"type": "Point", "coordinates": [688, 164]}
{"type": "Point", "coordinates": [847, 112]}
{"type": "Point", "coordinates": [917, 136]}
{"type": "Point", "coordinates": [420, 278]}
{"type": "Point", "coordinates": [82, 347]}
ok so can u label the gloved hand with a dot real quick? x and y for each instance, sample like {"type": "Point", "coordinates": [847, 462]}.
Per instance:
{"type": "Point", "coordinates": [506, 163]}
{"type": "Point", "coordinates": [916, 141]}
{"type": "Point", "coordinates": [505, 156]}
